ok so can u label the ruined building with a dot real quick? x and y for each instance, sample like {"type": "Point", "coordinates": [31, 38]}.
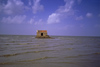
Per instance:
{"type": "Point", "coordinates": [42, 34]}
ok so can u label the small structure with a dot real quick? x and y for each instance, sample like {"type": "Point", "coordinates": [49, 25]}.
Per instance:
{"type": "Point", "coordinates": [42, 34]}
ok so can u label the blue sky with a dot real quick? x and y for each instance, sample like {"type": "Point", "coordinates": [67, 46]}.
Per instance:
{"type": "Point", "coordinates": [58, 17]}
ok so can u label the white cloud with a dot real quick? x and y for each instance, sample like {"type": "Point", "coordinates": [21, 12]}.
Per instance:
{"type": "Point", "coordinates": [37, 6]}
{"type": "Point", "coordinates": [79, 18]}
{"type": "Point", "coordinates": [53, 18]}
{"type": "Point", "coordinates": [17, 19]}
{"type": "Point", "coordinates": [89, 15]}
{"type": "Point", "coordinates": [13, 7]}
{"type": "Point", "coordinates": [40, 21]}
{"type": "Point", "coordinates": [62, 12]}
{"type": "Point", "coordinates": [35, 22]}
{"type": "Point", "coordinates": [67, 7]}
{"type": "Point", "coordinates": [31, 21]}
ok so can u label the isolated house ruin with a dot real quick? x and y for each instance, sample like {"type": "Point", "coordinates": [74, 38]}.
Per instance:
{"type": "Point", "coordinates": [42, 34]}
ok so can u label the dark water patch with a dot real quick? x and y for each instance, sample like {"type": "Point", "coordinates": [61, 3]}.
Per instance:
{"type": "Point", "coordinates": [26, 42]}
{"type": "Point", "coordinates": [8, 43]}
{"type": "Point", "coordinates": [42, 58]}
{"type": "Point", "coordinates": [22, 43]}
{"type": "Point", "coordinates": [12, 41]}
{"type": "Point", "coordinates": [71, 56]}
{"type": "Point", "coordinates": [37, 51]}
{"type": "Point", "coordinates": [4, 63]}
{"type": "Point", "coordinates": [98, 53]}
{"type": "Point", "coordinates": [70, 43]}
{"type": "Point", "coordinates": [4, 38]}
{"type": "Point", "coordinates": [43, 51]}
{"type": "Point", "coordinates": [22, 46]}
{"type": "Point", "coordinates": [11, 63]}
{"type": "Point", "coordinates": [36, 45]}
{"type": "Point", "coordinates": [68, 48]}
{"type": "Point", "coordinates": [64, 62]}
{"type": "Point", "coordinates": [54, 46]}
{"type": "Point", "coordinates": [28, 48]}
{"type": "Point", "coordinates": [77, 56]}
{"type": "Point", "coordinates": [9, 55]}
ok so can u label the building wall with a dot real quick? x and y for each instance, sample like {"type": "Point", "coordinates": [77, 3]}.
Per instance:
{"type": "Point", "coordinates": [44, 34]}
{"type": "Point", "coordinates": [39, 33]}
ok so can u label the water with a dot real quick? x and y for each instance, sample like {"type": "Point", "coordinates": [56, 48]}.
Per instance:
{"type": "Point", "coordinates": [69, 51]}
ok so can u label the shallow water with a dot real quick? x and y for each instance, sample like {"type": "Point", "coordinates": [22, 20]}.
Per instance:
{"type": "Point", "coordinates": [69, 51]}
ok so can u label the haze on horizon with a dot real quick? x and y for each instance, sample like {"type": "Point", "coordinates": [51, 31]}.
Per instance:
{"type": "Point", "coordinates": [58, 17]}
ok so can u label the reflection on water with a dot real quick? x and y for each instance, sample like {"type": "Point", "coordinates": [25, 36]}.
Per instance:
{"type": "Point", "coordinates": [22, 50]}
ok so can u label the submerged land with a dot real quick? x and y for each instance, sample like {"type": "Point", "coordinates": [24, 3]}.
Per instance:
{"type": "Point", "coordinates": [62, 51]}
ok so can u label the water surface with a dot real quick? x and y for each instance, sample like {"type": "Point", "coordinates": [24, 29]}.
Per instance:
{"type": "Point", "coordinates": [69, 51]}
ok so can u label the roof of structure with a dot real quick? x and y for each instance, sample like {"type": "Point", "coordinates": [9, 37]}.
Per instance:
{"type": "Point", "coordinates": [41, 30]}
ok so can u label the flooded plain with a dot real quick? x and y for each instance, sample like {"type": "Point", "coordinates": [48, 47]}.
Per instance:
{"type": "Point", "coordinates": [61, 51]}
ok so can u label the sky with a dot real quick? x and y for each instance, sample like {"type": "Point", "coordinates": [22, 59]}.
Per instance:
{"type": "Point", "coordinates": [58, 17]}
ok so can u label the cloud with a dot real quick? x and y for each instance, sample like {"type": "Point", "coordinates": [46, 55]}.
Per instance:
{"type": "Point", "coordinates": [31, 21]}
{"type": "Point", "coordinates": [79, 18]}
{"type": "Point", "coordinates": [40, 21]}
{"type": "Point", "coordinates": [89, 15]}
{"type": "Point", "coordinates": [53, 18]}
{"type": "Point", "coordinates": [13, 7]}
{"type": "Point", "coordinates": [17, 19]}
{"type": "Point", "coordinates": [62, 12]}
{"type": "Point", "coordinates": [37, 6]}
{"type": "Point", "coordinates": [35, 22]}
